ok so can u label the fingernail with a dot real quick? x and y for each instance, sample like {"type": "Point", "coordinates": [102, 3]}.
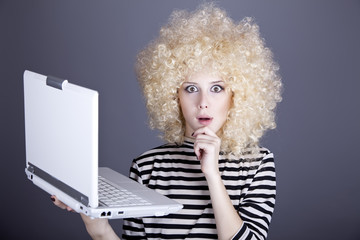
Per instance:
{"type": "Point", "coordinates": [52, 199]}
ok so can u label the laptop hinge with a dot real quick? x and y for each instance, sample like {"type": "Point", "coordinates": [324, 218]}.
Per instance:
{"type": "Point", "coordinates": [84, 200]}
{"type": "Point", "coordinates": [31, 169]}
{"type": "Point", "coordinates": [59, 184]}
{"type": "Point", "coordinates": [55, 82]}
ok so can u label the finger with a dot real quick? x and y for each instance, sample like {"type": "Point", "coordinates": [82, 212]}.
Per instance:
{"type": "Point", "coordinates": [207, 140]}
{"type": "Point", "coordinates": [60, 204]}
{"type": "Point", "coordinates": [203, 146]}
{"type": "Point", "coordinates": [206, 145]}
{"type": "Point", "coordinates": [204, 131]}
{"type": "Point", "coordinates": [57, 202]}
{"type": "Point", "coordinates": [69, 209]}
{"type": "Point", "coordinates": [198, 152]}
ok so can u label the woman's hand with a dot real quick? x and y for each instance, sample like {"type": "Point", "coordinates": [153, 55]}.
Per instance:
{"type": "Point", "coordinates": [98, 228]}
{"type": "Point", "coordinates": [207, 147]}
{"type": "Point", "coordinates": [60, 204]}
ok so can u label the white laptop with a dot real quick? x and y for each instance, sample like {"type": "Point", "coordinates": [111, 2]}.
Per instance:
{"type": "Point", "coordinates": [61, 134]}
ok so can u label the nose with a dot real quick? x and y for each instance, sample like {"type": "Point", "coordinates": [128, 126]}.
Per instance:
{"type": "Point", "coordinates": [203, 101]}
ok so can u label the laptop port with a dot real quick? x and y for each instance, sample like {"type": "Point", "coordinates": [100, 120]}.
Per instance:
{"type": "Point", "coordinates": [109, 213]}
{"type": "Point", "coordinates": [103, 214]}
{"type": "Point", "coordinates": [120, 213]}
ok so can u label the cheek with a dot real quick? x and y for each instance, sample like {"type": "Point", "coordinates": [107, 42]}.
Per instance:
{"type": "Point", "coordinates": [184, 106]}
{"type": "Point", "coordinates": [186, 102]}
{"type": "Point", "coordinates": [226, 104]}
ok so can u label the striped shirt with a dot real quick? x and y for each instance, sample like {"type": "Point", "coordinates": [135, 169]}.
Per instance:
{"type": "Point", "coordinates": [175, 172]}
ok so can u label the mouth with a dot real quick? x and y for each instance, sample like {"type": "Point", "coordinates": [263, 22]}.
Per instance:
{"type": "Point", "coordinates": [204, 120]}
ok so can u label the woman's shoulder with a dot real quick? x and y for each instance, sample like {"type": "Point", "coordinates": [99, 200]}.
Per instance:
{"type": "Point", "coordinates": [251, 154]}
{"type": "Point", "coordinates": [250, 163]}
{"type": "Point", "coordinates": [261, 158]}
{"type": "Point", "coordinates": [251, 158]}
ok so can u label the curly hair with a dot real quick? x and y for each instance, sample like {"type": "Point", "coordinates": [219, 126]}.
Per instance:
{"type": "Point", "coordinates": [192, 41]}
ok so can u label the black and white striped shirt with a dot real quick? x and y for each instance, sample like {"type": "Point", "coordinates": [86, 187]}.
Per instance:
{"type": "Point", "coordinates": [175, 172]}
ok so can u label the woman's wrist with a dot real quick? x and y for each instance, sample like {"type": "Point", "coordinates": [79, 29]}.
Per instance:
{"type": "Point", "coordinates": [213, 177]}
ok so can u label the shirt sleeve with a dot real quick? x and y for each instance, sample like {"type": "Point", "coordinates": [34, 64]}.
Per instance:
{"type": "Point", "coordinates": [133, 228]}
{"type": "Point", "coordinates": [258, 204]}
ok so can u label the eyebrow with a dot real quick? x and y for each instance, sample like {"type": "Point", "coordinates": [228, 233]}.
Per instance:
{"type": "Point", "coordinates": [219, 81]}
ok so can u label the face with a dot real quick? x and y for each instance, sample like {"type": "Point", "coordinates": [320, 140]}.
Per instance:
{"type": "Point", "coordinates": [204, 102]}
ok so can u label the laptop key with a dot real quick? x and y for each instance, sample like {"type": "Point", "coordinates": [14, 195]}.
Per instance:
{"type": "Point", "coordinates": [116, 197]}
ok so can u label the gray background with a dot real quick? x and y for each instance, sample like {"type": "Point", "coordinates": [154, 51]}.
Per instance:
{"type": "Point", "coordinates": [94, 43]}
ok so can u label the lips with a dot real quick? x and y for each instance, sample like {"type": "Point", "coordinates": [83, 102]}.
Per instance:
{"type": "Point", "coordinates": [204, 120]}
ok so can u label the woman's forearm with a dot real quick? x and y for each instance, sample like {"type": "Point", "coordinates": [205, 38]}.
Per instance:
{"type": "Point", "coordinates": [228, 221]}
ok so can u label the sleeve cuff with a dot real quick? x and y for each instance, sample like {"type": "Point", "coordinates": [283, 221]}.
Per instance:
{"type": "Point", "coordinates": [239, 233]}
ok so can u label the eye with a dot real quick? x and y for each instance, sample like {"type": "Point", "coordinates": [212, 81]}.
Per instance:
{"type": "Point", "coordinates": [216, 88]}
{"type": "Point", "coordinates": [191, 89]}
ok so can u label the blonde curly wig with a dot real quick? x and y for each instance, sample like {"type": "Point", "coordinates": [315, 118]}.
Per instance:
{"type": "Point", "coordinates": [192, 41]}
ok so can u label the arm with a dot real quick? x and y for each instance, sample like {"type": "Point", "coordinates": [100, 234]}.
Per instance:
{"type": "Point", "coordinates": [98, 229]}
{"type": "Point", "coordinates": [258, 202]}
{"type": "Point", "coordinates": [252, 219]}
{"type": "Point", "coordinates": [228, 221]}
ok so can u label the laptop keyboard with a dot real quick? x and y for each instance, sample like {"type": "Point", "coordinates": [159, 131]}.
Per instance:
{"type": "Point", "coordinates": [116, 197]}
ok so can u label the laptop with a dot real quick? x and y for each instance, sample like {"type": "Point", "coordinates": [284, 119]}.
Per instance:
{"type": "Point", "coordinates": [61, 138]}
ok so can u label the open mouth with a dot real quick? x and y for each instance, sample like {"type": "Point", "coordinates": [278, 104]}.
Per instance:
{"type": "Point", "coordinates": [204, 120]}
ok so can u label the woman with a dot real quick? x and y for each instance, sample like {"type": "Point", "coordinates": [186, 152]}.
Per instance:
{"type": "Point", "coordinates": [211, 87]}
